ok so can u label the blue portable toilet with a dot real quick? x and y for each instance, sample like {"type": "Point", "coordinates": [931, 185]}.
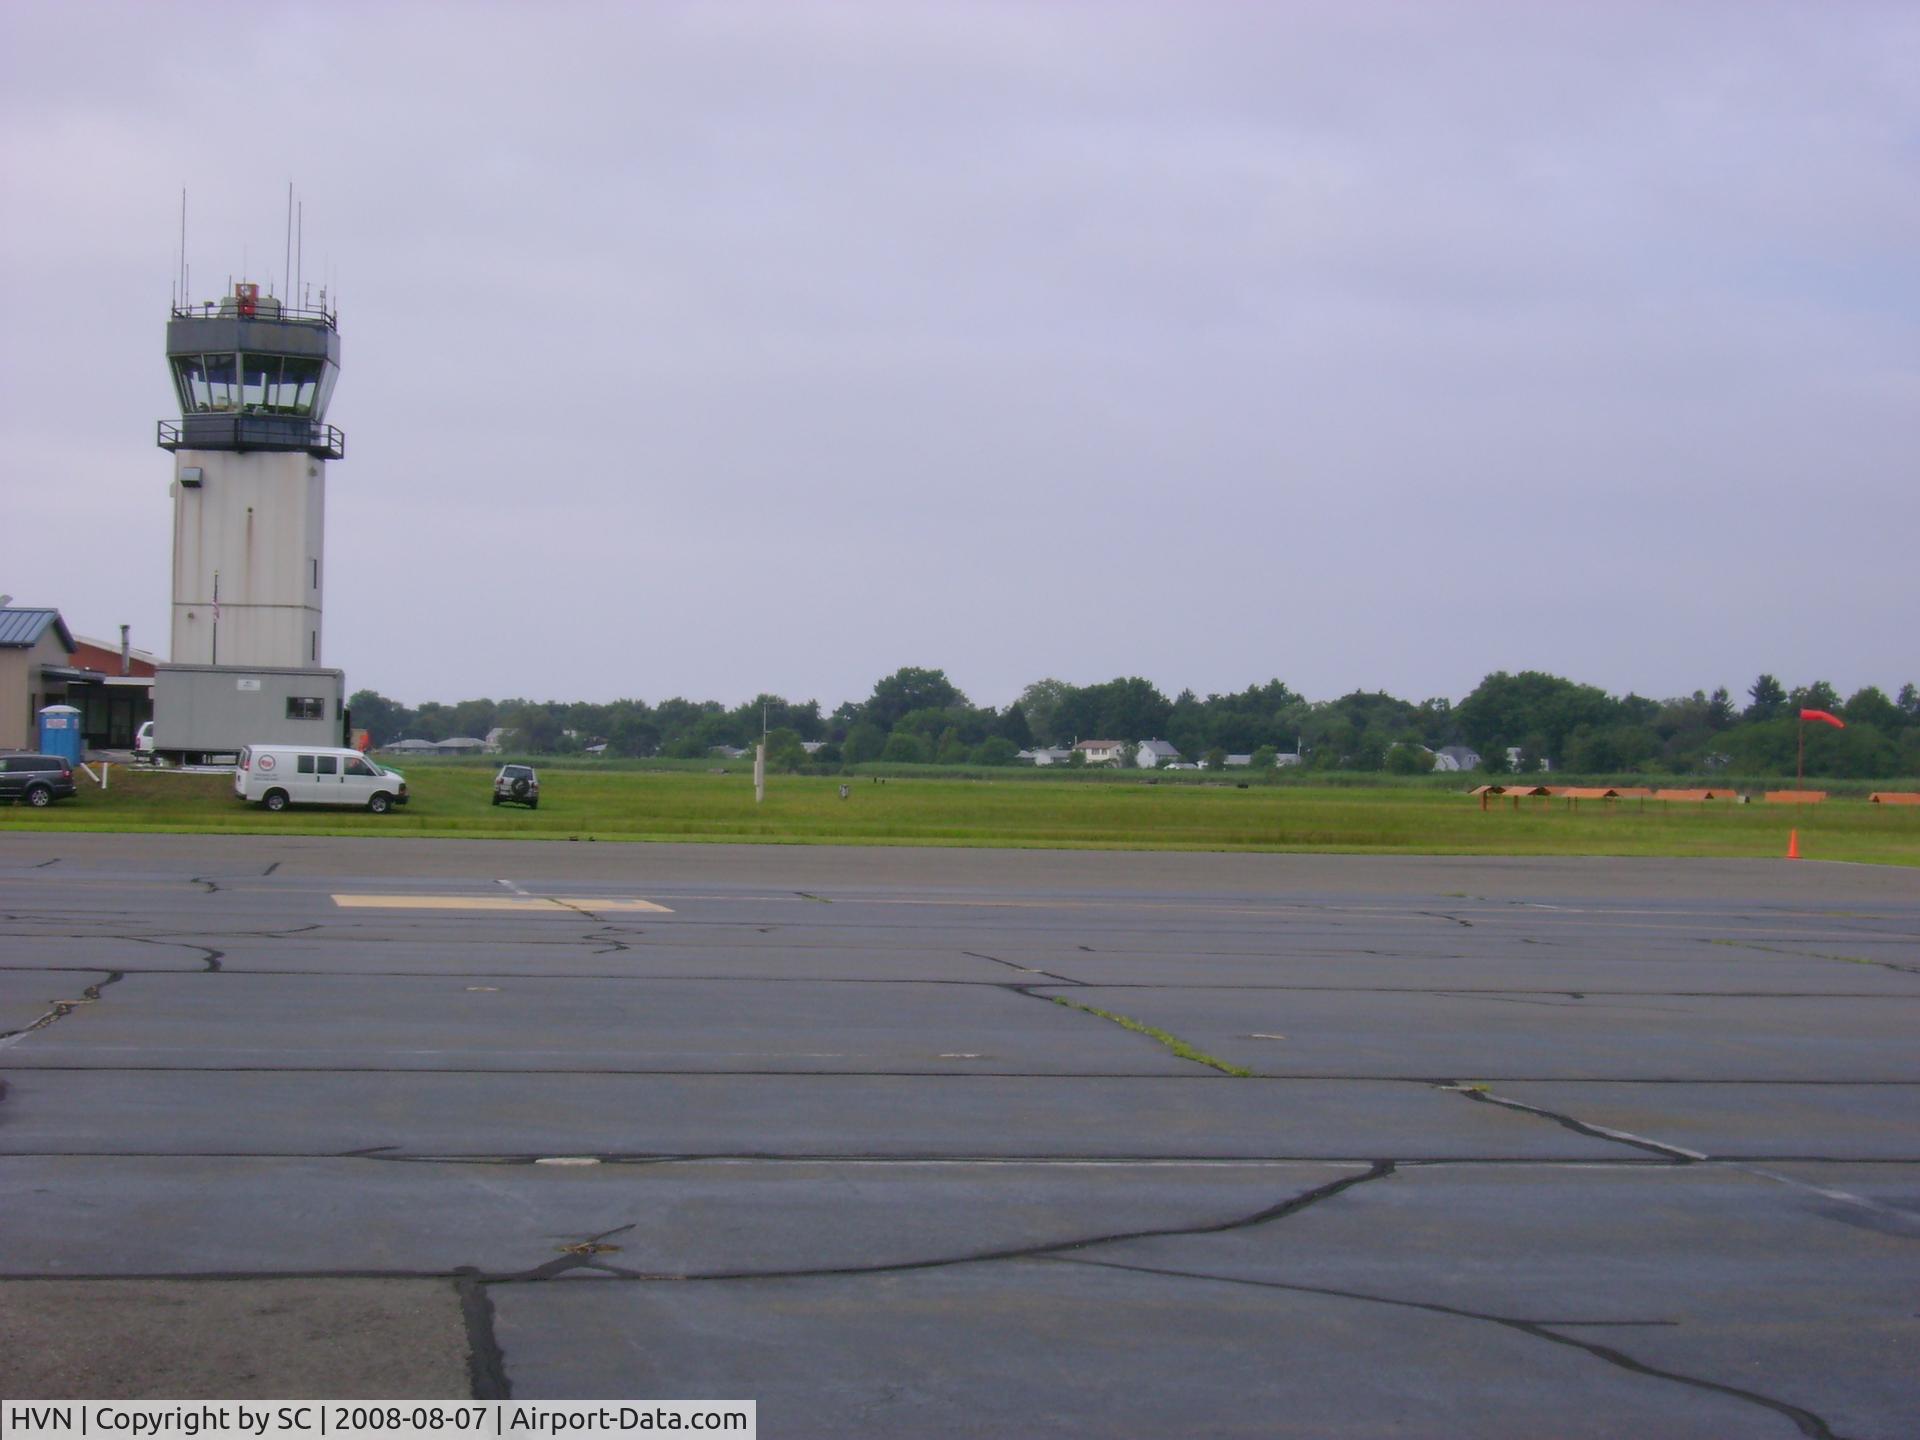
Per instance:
{"type": "Point", "coordinates": [60, 733]}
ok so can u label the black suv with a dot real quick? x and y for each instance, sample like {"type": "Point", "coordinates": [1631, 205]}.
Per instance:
{"type": "Point", "coordinates": [37, 779]}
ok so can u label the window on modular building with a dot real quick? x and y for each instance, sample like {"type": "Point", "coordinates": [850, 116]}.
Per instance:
{"type": "Point", "coordinates": [259, 380]}
{"type": "Point", "coordinates": [306, 707]}
{"type": "Point", "coordinates": [223, 387]}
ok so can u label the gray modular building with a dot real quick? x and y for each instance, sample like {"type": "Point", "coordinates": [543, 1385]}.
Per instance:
{"type": "Point", "coordinates": [206, 712]}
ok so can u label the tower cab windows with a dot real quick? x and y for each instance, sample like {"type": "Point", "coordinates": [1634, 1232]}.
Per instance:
{"type": "Point", "coordinates": [207, 383]}
{"type": "Point", "coordinates": [250, 383]}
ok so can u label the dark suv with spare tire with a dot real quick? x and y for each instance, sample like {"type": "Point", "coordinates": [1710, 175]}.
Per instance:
{"type": "Point", "coordinates": [37, 779]}
{"type": "Point", "coordinates": [518, 784]}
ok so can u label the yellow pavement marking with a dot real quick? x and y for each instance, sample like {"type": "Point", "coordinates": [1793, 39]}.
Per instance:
{"type": "Point", "coordinates": [599, 905]}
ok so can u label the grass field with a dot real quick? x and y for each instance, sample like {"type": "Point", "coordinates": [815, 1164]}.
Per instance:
{"type": "Point", "coordinates": [453, 800]}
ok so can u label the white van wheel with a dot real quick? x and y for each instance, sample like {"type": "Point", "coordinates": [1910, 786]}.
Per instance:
{"type": "Point", "coordinates": [275, 800]}
{"type": "Point", "coordinates": [380, 803]}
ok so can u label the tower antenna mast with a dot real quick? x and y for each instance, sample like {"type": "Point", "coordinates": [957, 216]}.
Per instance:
{"type": "Point", "coordinates": [286, 268]}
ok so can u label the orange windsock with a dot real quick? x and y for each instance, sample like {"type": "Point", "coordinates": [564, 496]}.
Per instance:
{"type": "Point", "coordinates": [1824, 717]}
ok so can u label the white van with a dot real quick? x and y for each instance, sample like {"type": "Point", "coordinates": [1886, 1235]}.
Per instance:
{"type": "Point", "coordinates": [282, 775]}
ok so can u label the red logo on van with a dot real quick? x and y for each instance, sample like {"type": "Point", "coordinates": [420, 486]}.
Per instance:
{"type": "Point", "coordinates": [266, 762]}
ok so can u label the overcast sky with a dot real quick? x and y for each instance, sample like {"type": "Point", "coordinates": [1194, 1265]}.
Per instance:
{"type": "Point", "coordinates": [707, 349]}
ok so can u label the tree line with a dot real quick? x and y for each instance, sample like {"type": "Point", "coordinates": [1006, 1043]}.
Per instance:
{"type": "Point", "coordinates": [918, 716]}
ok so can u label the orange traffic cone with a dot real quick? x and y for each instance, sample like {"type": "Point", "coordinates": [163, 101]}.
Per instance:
{"type": "Point", "coordinates": [1793, 845]}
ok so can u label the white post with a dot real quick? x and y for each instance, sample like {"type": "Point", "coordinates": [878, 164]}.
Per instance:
{"type": "Point", "coordinates": [760, 759]}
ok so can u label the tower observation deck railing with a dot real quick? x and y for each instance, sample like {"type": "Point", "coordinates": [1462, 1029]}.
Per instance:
{"type": "Point", "coordinates": [253, 432]}
{"type": "Point", "coordinates": [265, 308]}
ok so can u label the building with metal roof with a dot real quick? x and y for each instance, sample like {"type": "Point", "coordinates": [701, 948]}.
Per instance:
{"type": "Point", "coordinates": [22, 627]}
{"type": "Point", "coordinates": [36, 670]}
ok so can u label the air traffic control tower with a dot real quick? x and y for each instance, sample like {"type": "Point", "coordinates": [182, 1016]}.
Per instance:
{"type": "Point", "coordinates": [250, 489]}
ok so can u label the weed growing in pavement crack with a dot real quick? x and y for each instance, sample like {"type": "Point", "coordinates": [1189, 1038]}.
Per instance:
{"type": "Point", "coordinates": [1173, 1043]}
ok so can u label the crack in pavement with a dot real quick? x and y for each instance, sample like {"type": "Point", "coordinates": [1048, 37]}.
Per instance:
{"type": "Point", "coordinates": [1817, 955]}
{"type": "Point", "coordinates": [1457, 992]}
{"type": "Point", "coordinates": [1293, 1205]}
{"type": "Point", "coordinates": [1023, 969]}
{"type": "Point", "coordinates": [1093, 1160]}
{"type": "Point", "coordinates": [580, 1255]}
{"type": "Point", "coordinates": [1279, 1077]}
{"type": "Point", "coordinates": [486, 1365]}
{"type": "Point", "coordinates": [1172, 1043]}
{"type": "Point", "coordinates": [1887, 1219]}
{"type": "Point", "coordinates": [389, 1154]}
{"type": "Point", "coordinates": [1809, 1423]}
{"type": "Point", "coordinates": [1496, 998]}
{"type": "Point", "coordinates": [1678, 1155]}
{"type": "Point", "coordinates": [211, 956]}
{"type": "Point", "coordinates": [613, 944]}
{"type": "Point", "coordinates": [213, 886]}
{"type": "Point", "coordinates": [61, 1009]}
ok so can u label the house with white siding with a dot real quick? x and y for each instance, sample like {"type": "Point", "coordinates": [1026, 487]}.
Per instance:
{"type": "Point", "coordinates": [1045, 755]}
